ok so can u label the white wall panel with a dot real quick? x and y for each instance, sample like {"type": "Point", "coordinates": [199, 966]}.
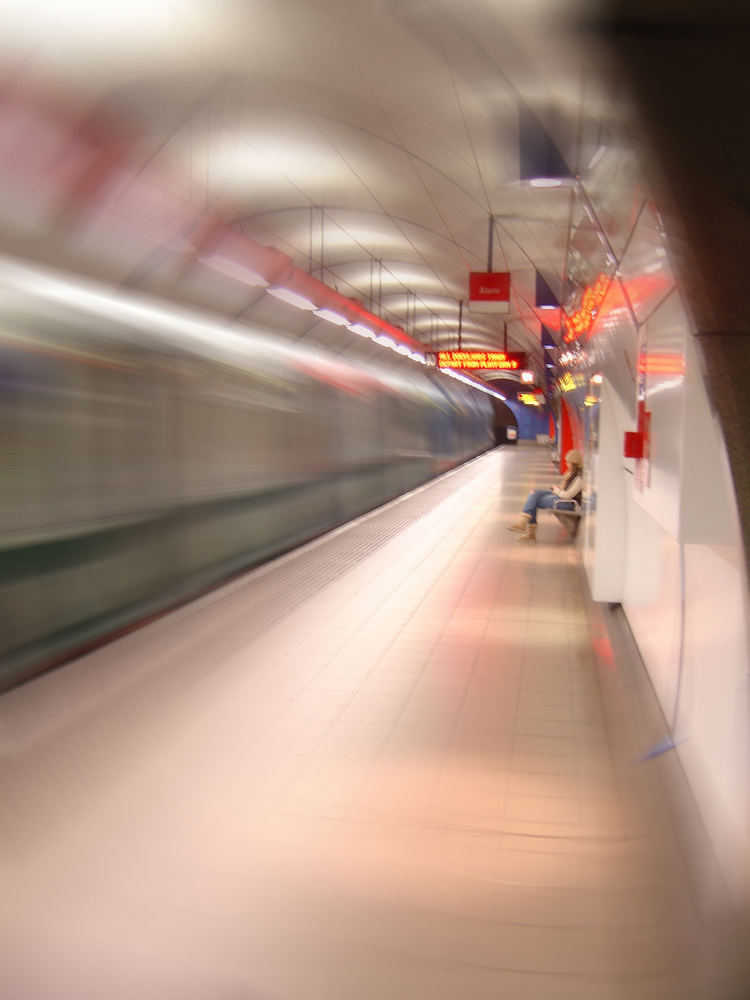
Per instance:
{"type": "Point", "coordinates": [690, 491]}
{"type": "Point", "coordinates": [605, 534]}
{"type": "Point", "coordinates": [708, 506]}
{"type": "Point", "coordinates": [672, 554]}
{"type": "Point", "coordinates": [653, 604]}
{"type": "Point", "coordinates": [712, 718]}
{"type": "Point", "coordinates": [663, 355]}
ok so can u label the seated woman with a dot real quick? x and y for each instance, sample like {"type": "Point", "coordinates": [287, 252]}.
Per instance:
{"type": "Point", "coordinates": [569, 491]}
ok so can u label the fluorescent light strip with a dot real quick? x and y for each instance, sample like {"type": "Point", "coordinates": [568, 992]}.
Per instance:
{"type": "Point", "coordinates": [381, 338]}
{"type": "Point", "coordinates": [234, 270]}
{"type": "Point", "coordinates": [292, 298]}
{"type": "Point", "coordinates": [362, 330]}
{"type": "Point", "coordinates": [474, 385]}
{"type": "Point", "coordinates": [331, 317]}
{"type": "Point", "coordinates": [177, 322]}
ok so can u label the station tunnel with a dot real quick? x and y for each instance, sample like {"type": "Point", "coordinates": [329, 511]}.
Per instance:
{"type": "Point", "coordinates": [302, 306]}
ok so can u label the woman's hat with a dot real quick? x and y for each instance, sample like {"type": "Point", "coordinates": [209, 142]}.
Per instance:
{"type": "Point", "coordinates": [574, 458]}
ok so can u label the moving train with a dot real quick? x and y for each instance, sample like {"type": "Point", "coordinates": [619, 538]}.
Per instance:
{"type": "Point", "coordinates": [150, 452]}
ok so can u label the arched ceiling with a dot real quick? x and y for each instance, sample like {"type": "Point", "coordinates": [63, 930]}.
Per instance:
{"type": "Point", "coordinates": [369, 141]}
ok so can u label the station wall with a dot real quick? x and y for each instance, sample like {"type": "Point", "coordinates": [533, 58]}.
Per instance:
{"type": "Point", "coordinates": [662, 534]}
{"type": "Point", "coordinates": [531, 420]}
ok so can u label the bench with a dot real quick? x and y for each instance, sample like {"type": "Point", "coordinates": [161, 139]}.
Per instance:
{"type": "Point", "coordinates": [569, 519]}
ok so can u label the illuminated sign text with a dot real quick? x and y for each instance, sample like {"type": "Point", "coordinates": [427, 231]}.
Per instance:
{"type": "Point", "coordinates": [581, 321]}
{"type": "Point", "coordinates": [497, 360]}
{"type": "Point", "coordinates": [489, 291]}
{"type": "Point", "coordinates": [534, 397]}
{"type": "Point", "coordinates": [569, 382]}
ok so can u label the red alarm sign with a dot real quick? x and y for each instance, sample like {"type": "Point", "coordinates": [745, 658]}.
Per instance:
{"type": "Point", "coordinates": [489, 292]}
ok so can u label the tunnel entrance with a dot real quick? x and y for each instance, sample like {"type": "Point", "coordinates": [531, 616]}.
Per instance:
{"type": "Point", "coordinates": [506, 425]}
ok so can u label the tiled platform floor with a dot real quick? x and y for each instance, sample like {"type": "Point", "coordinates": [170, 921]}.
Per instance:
{"type": "Point", "coordinates": [403, 791]}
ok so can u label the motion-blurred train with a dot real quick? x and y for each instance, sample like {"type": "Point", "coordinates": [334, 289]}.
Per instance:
{"type": "Point", "coordinates": [149, 453]}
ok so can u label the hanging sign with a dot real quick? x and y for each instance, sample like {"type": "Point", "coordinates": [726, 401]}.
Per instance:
{"type": "Point", "coordinates": [494, 360]}
{"type": "Point", "coordinates": [489, 292]}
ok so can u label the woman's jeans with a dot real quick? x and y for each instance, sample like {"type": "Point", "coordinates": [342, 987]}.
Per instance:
{"type": "Point", "coordinates": [544, 500]}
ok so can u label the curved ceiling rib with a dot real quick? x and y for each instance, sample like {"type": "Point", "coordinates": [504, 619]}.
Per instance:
{"type": "Point", "coordinates": [358, 138]}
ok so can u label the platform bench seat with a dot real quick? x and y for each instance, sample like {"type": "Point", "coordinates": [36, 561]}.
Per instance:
{"type": "Point", "coordinates": [569, 519]}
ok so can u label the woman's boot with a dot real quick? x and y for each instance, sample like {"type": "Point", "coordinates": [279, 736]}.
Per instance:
{"type": "Point", "coordinates": [521, 524]}
{"type": "Point", "coordinates": [529, 535]}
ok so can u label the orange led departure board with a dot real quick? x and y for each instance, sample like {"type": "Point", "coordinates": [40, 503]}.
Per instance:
{"type": "Point", "coordinates": [495, 360]}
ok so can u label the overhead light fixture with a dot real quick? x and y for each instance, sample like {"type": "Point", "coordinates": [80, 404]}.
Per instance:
{"type": "Point", "coordinates": [381, 338]}
{"type": "Point", "coordinates": [362, 330]}
{"type": "Point", "coordinates": [544, 297]}
{"type": "Point", "coordinates": [474, 385]}
{"type": "Point", "coordinates": [234, 270]}
{"type": "Point", "coordinates": [597, 156]}
{"type": "Point", "coordinates": [331, 317]}
{"type": "Point", "coordinates": [292, 298]}
{"type": "Point", "coordinates": [540, 161]}
{"type": "Point", "coordinates": [527, 377]}
{"type": "Point", "coordinates": [548, 341]}
{"type": "Point", "coordinates": [597, 379]}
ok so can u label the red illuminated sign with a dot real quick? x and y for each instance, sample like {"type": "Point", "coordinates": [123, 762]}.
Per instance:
{"type": "Point", "coordinates": [633, 445]}
{"type": "Point", "coordinates": [532, 397]}
{"type": "Point", "coordinates": [637, 445]}
{"type": "Point", "coordinates": [661, 364]}
{"type": "Point", "coordinates": [581, 321]}
{"type": "Point", "coordinates": [489, 291]}
{"type": "Point", "coordinates": [495, 360]}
